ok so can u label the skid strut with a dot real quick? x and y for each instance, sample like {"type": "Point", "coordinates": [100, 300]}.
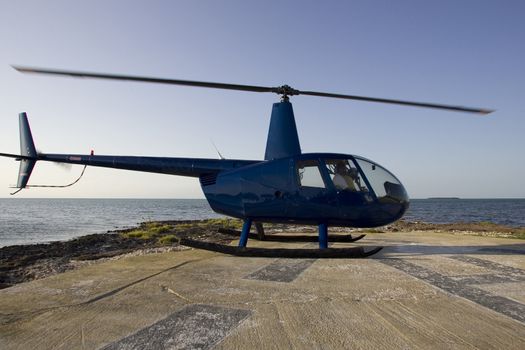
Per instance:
{"type": "Point", "coordinates": [323, 236]}
{"type": "Point", "coordinates": [245, 233]}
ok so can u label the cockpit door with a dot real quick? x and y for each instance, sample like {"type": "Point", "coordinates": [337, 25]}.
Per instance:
{"type": "Point", "coordinates": [313, 198]}
{"type": "Point", "coordinates": [351, 188]}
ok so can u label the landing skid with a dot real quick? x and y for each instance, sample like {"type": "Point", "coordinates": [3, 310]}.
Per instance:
{"type": "Point", "coordinates": [291, 238]}
{"type": "Point", "coordinates": [299, 253]}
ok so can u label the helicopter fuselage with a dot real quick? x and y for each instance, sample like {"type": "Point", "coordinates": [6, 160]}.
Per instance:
{"type": "Point", "coordinates": [310, 188]}
{"type": "Point", "coordinates": [304, 189]}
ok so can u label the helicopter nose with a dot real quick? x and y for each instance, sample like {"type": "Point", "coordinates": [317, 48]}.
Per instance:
{"type": "Point", "coordinates": [403, 207]}
{"type": "Point", "coordinates": [394, 192]}
{"type": "Point", "coordinates": [396, 201]}
{"type": "Point", "coordinates": [387, 211]}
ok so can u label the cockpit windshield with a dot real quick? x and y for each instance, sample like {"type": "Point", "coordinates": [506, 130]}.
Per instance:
{"type": "Point", "coordinates": [385, 185]}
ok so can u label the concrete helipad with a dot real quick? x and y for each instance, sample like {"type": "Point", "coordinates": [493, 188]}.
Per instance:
{"type": "Point", "coordinates": [424, 290]}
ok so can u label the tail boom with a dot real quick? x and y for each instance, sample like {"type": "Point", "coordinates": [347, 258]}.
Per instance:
{"type": "Point", "coordinates": [192, 167]}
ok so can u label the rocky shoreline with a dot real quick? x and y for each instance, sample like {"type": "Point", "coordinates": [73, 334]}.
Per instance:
{"type": "Point", "coordinates": [22, 263]}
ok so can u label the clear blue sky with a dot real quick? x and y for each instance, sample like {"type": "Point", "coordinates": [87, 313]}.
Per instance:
{"type": "Point", "coordinates": [468, 53]}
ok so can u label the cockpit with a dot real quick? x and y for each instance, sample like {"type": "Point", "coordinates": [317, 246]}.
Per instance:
{"type": "Point", "coordinates": [351, 175]}
{"type": "Point", "coordinates": [345, 176]}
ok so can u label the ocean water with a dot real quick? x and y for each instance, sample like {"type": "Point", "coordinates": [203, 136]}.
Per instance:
{"type": "Point", "coordinates": [510, 212]}
{"type": "Point", "coordinates": [26, 221]}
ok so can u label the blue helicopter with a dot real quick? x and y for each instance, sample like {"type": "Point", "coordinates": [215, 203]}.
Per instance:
{"type": "Point", "coordinates": [288, 186]}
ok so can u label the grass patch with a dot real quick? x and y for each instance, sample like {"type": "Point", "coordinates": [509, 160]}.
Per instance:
{"type": "Point", "coordinates": [168, 240]}
{"type": "Point", "coordinates": [148, 230]}
{"type": "Point", "coordinates": [164, 233]}
{"type": "Point", "coordinates": [211, 223]}
{"type": "Point", "coordinates": [186, 226]}
{"type": "Point", "coordinates": [519, 235]}
{"type": "Point", "coordinates": [137, 234]}
{"type": "Point", "coordinates": [486, 223]}
{"type": "Point", "coordinates": [226, 223]}
{"type": "Point", "coordinates": [372, 230]}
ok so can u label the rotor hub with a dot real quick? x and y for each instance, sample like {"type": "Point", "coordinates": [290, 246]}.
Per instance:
{"type": "Point", "coordinates": [285, 91]}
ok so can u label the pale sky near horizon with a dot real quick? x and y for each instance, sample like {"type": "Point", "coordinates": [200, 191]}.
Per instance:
{"type": "Point", "coordinates": [468, 53]}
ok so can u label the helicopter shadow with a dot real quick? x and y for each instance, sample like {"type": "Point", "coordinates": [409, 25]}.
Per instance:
{"type": "Point", "coordinates": [416, 249]}
{"type": "Point", "coordinates": [489, 287]}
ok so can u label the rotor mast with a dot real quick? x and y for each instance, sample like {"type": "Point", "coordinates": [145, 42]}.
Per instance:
{"type": "Point", "coordinates": [283, 140]}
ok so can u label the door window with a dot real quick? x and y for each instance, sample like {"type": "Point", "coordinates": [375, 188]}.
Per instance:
{"type": "Point", "coordinates": [309, 174]}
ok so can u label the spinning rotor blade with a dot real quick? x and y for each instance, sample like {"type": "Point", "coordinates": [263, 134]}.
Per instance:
{"type": "Point", "coordinates": [400, 102]}
{"type": "Point", "coordinates": [144, 79]}
{"type": "Point", "coordinates": [284, 90]}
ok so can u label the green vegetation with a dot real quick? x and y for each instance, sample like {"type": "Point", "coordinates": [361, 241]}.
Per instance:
{"type": "Point", "coordinates": [372, 230]}
{"type": "Point", "coordinates": [168, 233]}
{"type": "Point", "coordinates": [225, 223]}
{"type": "Point", "coordinates": [186, 226]}
{"type": "Point", "coordinates": [210, 224]}
{"type": "Point", "coordinates": [486, 223]}
{"type": "Point", "coordinates": [148, 230]}
{"type": "Point", "coordinates": [480, 228]}
{"type": "Point", "coordinates": [519, 235]}
{"type": "Point", "coordinates": [513, 232]}
{"type": "Point", "coordinates": [168, 240]}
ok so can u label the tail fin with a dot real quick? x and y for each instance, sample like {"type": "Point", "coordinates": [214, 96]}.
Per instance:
{"type": "Point", "coordinates": [27, 149]}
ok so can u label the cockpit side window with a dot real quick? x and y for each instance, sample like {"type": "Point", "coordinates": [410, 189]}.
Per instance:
{"type": "Point", "coordinates": [345, 175]}
{"type": "Point", "coordinates": [309, 174]}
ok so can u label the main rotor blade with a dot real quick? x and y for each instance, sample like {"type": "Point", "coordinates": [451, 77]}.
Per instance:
{"type": "Point", "coordinates": [284, 90]}
{"type": "Point", "coordinates": [144, 79]}
{"type": "Point", "coordinates": [399, 102]}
